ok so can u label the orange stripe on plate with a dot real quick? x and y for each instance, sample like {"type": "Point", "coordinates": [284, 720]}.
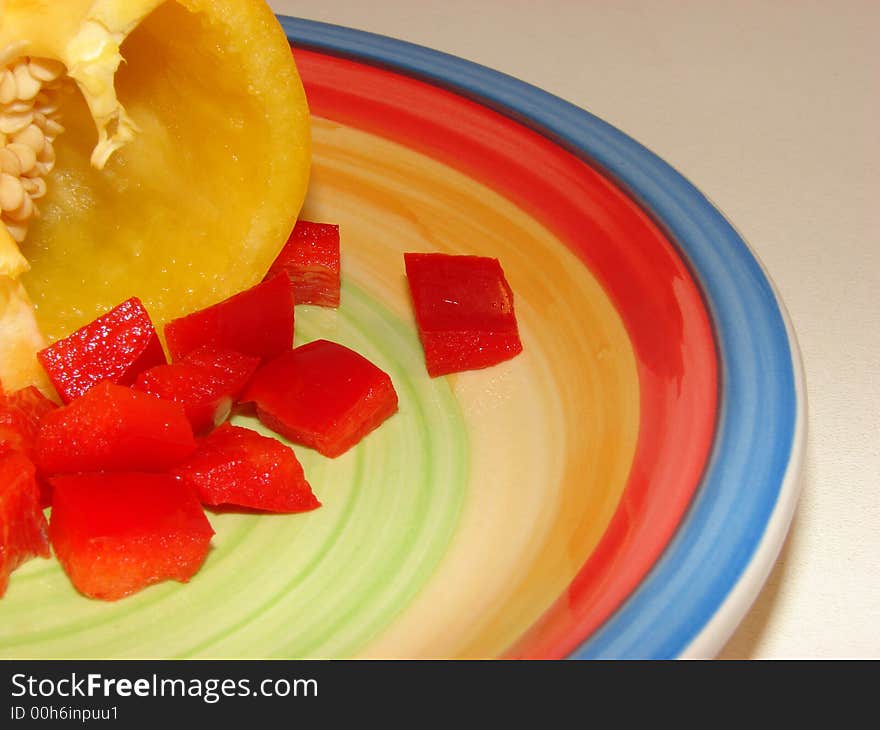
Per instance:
{"type": "Point", "coordinates": [644, 276]}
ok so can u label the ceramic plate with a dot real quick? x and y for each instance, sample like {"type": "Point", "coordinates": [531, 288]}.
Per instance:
{"type": "Point", "coordinates": [620, 489]}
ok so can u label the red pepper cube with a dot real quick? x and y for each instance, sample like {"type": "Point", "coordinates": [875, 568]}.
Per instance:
{"type": "Point", "coordinates": [256, 322]}
{"type": "Point", "coordinates": [322, 395]}
{"type": "Point", "coordinates": [116, 347]}
{"type": "Point", "coordinates": [117, 533]}
{"type": "Point", "coordinates": [311, 259]}
{"type": "Point", "coordinates": [464, 311]}
{"type": "Point", "coordinates": [23, 529]}
{"type": "Point", "coordinates": [205, 383]}
{"type": "Point", "coordinates": [113, 428]}
{"type": "Point", "coordinates": [21, 413]}
{"type": "Point", "coordinates": [239, 467]}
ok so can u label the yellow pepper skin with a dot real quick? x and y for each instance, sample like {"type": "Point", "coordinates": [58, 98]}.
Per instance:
{"type": "Point", "coordinates": [169, 159]}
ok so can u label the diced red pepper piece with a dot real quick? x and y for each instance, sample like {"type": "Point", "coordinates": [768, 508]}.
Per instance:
{"type": "Point", "coordinates": [117, 533]}
{"type": "Point", "coordinates": [116, 347]}
{"type": "Point", "coordinates": [311, 259]}
{"type": "Point", "coordinates": [257, 322]}
{"type": "Point", "coordinates": [23, 529]}
{"type": "Point", "coordinates": [20, 415]}
{"type": "Point", "coordinates": [464, 311]}
{"type": "Point", "coordinates": [114, 428]}
{"type": "Point", "coordinates": [322, 395]}
{"type": "Point", "coordinates": [205, 383]}
{"type": "Point", "coordinates": [237, 466]}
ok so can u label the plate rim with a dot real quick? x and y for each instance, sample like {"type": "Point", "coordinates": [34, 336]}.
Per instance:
{"type": "Point", "coordinates": [563, 122]}
{"type": "Point", "coordinates": [730, 613]}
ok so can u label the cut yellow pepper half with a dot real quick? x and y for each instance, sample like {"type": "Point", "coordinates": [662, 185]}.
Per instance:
{"type": "Point", "coordinates": [147, 148]}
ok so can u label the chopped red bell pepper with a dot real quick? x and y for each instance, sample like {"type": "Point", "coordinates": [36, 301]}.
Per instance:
{"type": "Point", "coordinates": [20, 415]}
{"type": "Point", "coordinates": [117, 533]}
{"type": "Point", "coordinates": [322, 395]}
{"type": "Point", "coordinates": [23, 529]}
{"type": "Point", "coordinates": [114, 428]}
{"type": "Point", "coordinates": [116, 347]}
{"type": "Point", "coordinates": [257, 322]}
{"type": "Point", "coordinates": [206, 382]}
{"type": "Point", "coordinates": [237, 466]}
{"type": "Point", "coordinates": [464, 311]}
{"type": "Point", "coordinates": [311, 259]}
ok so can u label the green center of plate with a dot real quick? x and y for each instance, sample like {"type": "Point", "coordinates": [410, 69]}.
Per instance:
{"type": "Point", "coordinates": [320, 584]}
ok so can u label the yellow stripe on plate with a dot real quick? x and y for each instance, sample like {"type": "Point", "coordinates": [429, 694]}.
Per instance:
{"type": "Point", "coordinates": [551, 433]}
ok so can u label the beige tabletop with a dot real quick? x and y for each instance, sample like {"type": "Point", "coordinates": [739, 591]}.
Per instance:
{"type": "Point", "coordinates": [771, 108]}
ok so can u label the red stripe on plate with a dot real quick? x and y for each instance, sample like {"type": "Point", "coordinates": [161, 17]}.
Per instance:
{"type": "Point", "coordinates": [642, 273]}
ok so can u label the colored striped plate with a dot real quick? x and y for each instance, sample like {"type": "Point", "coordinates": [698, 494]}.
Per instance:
{"type": "Point", "coordinates": [620, 489]}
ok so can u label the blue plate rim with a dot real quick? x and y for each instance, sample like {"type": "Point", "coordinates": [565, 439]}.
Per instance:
{"type": "Point", "coordinates": [710, 573]}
